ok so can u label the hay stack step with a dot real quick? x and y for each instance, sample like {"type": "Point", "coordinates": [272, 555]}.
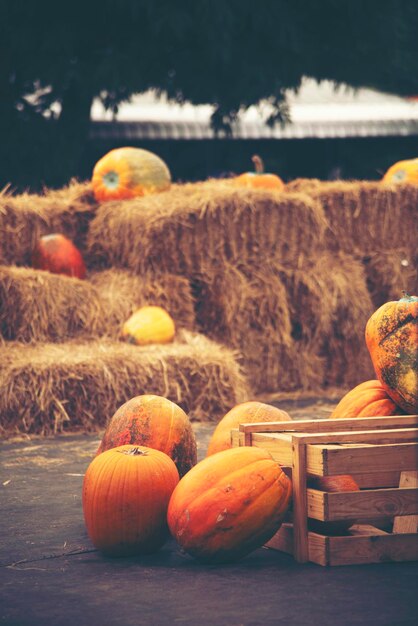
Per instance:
{"type": "Point", "coordinates": [50, 388]}
{"type": "Point", "coordinates": [40, 306]}
{"type": "Point", "coordinates": [197, 227]}
{"type": "Point", "coordinates": [26, 217]}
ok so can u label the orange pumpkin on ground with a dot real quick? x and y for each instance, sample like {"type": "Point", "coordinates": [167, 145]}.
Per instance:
{"type": "Point", "coordinates": [126, 492]}
{"type": "Point", "coordinates": [402, 172]}
{"type": "Point", "coordinates": [229, 504]}
{"type": "Point", "coordinates": [57, 254]}
{"type": "Point", "coordinates": [155, 422]}
{"type": "Point", "coordinates": [392, 341]}
{"type": "Point", "coordinates": [129, 172]}
{"type": "Point", "coordinates": [243, 413]}
{"type": "Point", "coordinates": [340, 482]}
{"type": "Point", "coordinates": [369, 399]}
{"type": "Point", "coordinates": [259, 179]}
{"type": "Point", "coordinates": [149, 324]}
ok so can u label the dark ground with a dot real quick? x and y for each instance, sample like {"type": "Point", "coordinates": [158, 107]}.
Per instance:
{"type": "Point", "coordinates": [50, 573]}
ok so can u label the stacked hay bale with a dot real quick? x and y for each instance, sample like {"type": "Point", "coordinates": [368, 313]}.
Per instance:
{"type": "Point", "coordinates": [78, 385]}
{"type": "Point", "coordinates": [250, 255]}
{"type": "Point", "coordinates": [27, 217]}
{"type": "Point", "coordinates": [62, 363]}
{"type": "Point", "coordinates": [376, 224]}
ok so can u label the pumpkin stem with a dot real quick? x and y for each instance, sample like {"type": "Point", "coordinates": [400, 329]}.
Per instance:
{"type": "Point", "coordinates": [135, 451]}
{"type": "Point", "coordinates": [258, 164]}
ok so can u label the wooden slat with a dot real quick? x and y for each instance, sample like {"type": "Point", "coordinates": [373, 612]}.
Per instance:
{"type": "Point", "coordinates": [407, 524]}
{"type": "Point", "coordinates": [283, 539]}
{"type": "Point", "coordinates": [300, 517]}
{"type": "Point", "coordinates": [382, 436]}
{"type": "Point", "coordinates": [361, 504]}
{"type": "Point", "coordinates": [329, 425]}
{"type": "Point", "coordinates": [376, 480]}
{"type": "Point", "coordinates": [325, 460]}
{"type": "Point", "coordinates": [356, 550]}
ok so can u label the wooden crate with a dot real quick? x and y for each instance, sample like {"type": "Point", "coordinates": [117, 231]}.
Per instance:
{"type": "Point", "coordinates": [381, 453]}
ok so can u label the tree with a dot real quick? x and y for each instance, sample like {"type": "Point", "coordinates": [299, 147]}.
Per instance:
{"type": "Point", "coordinates": [56, 58]}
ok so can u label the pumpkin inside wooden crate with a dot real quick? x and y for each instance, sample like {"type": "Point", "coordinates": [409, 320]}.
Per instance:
{"type": "Point", "coordinates": [381, 455]}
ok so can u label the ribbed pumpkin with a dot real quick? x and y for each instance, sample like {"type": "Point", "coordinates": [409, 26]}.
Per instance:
{"type": "Point", "coordinates": [57, 254]}
{"type": "Point", "coordinates": [402, 172]}
{"type": "Point", "coordinates": [369, 399]}
{"type": "Point", "coordinates": [229, 504]}
{"type": "Point", "coordinates": [126, 492]}
{"type": "Point", "coordinates": [155, 422]}
{"type": "Point", "coordinates": [129, 172]}
{"type": "Point", "coordinates": [336, 483]}
{"type": "Point", "coordinates": [259, 179]}
{"type": "Point", "coordinates": [392, 341]}
{"type": "Point", "coordinates": [243, 413]}
{"type": "Point", "coordinates": [149, 324]}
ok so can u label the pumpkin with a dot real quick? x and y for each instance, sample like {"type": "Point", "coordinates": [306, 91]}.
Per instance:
{"type": "Point", "coordinates": [336, 483]}
{"type": "Point", "coordinates": [58, 255]}
{"type": "Point", "coordinates": [369, 399]}
{"type": "Point", "coordinates": [402, 172]}
{"type": "Point", "coordinates": [243, 413]}
{"type": "Point", "coordinates": [392, 340]}
{"type": "Point", "coordinates": [149, 324]}
{"type": "Point", "coordinates": [126, 492]}
{"type": "Point", "coordinates": [155, 422]}
{"type": "Point", "coordinates": [259, 178]}
{"type": "Point", "coordinates": [129, 172]}
{"type": "Point", "coordinates": [229, 504]}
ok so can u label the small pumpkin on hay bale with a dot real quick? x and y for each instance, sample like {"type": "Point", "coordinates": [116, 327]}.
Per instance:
{"type": "Point", "coordinates": [123, 292]}
{"type": "Point", "coordinates": [50, 387]}
{"type": "Point", "coordinates": [39, 306]}
{"type": "Point", "coordinates": [26, 217]}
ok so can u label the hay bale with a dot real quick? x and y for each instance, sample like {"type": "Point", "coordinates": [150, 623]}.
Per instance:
{"type": "Point", "coordinates": [389, 273]}
{"type": "Point", "coordinates": [246, 308]}
{"type": "Point", "coordinates": [40, 306]}
{"type": "Point", "coordinates": [197, 227]}
{"type": "Point", "coordinates": [26, 217]}
{"type": "Point", "coordinates": [304, 185]}
{"type": "Point", "coordinates": [51, 388]}
{"type": "Point", "coordinates": [296, 328]}
{"type": "Point", "coordinates": [366, 217]}
{"type": "Point", "coordinates": [121, 293]}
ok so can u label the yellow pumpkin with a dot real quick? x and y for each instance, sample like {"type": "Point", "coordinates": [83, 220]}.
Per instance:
{"type": "Point", "coordinates": [149, 324]}
{"type": "Point", "coordinates": [129, 172]}
{"type": "Point", "coordinates": [402, 172]}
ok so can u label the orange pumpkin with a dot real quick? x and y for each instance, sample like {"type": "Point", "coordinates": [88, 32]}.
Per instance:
{"type": "Point", "coordinates": [392, 341]}
{"type": "Point", "coordinates": [369, 399]}
{"type": "Point", "coordinates": [243, 413]}
{"type": "Point", "coordinates": [155, 422]}
{"type": "Point", "coordinates": [149, 324]}
{"type": "Point", "coordinates": [129, 172]}
{"type": "Point", "coordinates": [402, 172]}
{"type": "Point", "coordinates": [126, 492]}
{"type": "Point", "coordinates": [336, 483]}
{"type": "Point", "coordinates": [229, 504]}
{"type": "Point", "coordinates": [259, 179]}
{"type": "Point", "coordinates": [57, 254]}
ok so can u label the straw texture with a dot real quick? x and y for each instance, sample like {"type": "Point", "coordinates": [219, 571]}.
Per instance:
{"type": "Point", "coordinates": [49, 388]}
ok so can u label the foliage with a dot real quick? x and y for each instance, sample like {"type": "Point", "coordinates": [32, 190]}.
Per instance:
{"type": "Point", "coordinates": [55, 59]}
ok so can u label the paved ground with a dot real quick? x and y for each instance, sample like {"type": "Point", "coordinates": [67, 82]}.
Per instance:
{"type": "Point", "coordinates": [50, 573]}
